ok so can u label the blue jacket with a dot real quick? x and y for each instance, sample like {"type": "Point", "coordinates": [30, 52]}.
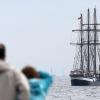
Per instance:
{"type": "Point", "coordinates": [39, 87]}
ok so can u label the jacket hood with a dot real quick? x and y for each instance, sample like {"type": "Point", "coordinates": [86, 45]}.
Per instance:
{"type": "Point", "coordinates": [3, 66]}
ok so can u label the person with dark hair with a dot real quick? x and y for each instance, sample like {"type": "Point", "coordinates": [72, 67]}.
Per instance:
{"type": "Point", "coordinates": [12, 82]}
{"type": "Point", "coordinates": [39, 82]}
{"type": "Point", "coordinates": [2, 51]}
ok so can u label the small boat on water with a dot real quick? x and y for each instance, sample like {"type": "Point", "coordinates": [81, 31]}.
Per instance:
{"type": "Point", "coordinates": [86, 67]}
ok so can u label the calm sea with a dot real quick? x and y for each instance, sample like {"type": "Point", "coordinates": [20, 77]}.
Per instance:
{"type": "Point", "coordinates": [62, 90]}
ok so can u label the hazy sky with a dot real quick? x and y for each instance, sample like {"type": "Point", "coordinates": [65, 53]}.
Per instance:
{"type": "Point", "coordinates": [38, 32]}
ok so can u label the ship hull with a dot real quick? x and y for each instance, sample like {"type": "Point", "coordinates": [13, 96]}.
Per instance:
{"type": "Point", "coordinates": [80, 82]}
{"type": "Point", "coordinates": [85, 81]}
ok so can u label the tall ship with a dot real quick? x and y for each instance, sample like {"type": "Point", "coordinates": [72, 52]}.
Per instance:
{"type": "Point", "coordinates": [86, 67]}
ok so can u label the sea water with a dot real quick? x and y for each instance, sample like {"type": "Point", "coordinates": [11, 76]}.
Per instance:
{"type": "Point", "coordinates": [62, 90]}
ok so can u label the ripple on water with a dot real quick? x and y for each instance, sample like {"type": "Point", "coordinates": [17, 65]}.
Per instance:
{"type": "Point", "coordinates": [61, 90]}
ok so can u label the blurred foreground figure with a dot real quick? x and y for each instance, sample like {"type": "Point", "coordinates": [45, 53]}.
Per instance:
{"type": "Point", "coordinates": [39, 83]}
{"type": "Point", "coordinates": [12, 82]}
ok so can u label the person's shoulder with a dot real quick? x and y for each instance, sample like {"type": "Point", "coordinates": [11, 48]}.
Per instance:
{"type": "Point", "coordinates": [18, 74]}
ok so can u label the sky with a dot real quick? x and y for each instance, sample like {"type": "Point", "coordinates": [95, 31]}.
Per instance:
{"type": "Point", "coordinates": [39, 32]}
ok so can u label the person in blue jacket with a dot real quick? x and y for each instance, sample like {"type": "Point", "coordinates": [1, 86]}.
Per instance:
{"type": "Point", "coordinates": [39, 82]}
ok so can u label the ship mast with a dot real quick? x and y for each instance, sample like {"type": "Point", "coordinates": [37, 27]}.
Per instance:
{"type": "Point", "coordinates": [81, 26]}
{"type": "Point", "coordinates": [88, 30]}
{"type": "Point", "coordinates": [95, 37]}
